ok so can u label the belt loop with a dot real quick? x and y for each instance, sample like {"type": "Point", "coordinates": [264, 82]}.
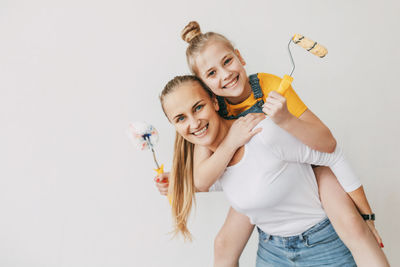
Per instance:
{"type": "Point", "coordinates": [267, 237]}
{"type": "Point", "coordinates": [304, 239]}
{"type": "Point", "coordinates": [301, 237]}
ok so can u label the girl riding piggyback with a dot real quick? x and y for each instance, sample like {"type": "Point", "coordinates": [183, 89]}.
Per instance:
{"type": "Point", "coordinates": [213, 59]}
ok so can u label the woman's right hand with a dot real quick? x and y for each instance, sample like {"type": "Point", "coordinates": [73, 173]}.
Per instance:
{"type": "Point", "coordinates": [242, 131]}
{"type": "Point", "coordinates": [162, 183]}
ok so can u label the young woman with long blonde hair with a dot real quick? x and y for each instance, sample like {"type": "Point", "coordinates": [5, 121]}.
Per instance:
{"type": "Point", "coordinates": [215, 61]}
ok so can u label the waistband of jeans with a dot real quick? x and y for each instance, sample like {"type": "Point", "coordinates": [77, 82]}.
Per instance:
{"type": "Point", "coordinates": [317, 227]}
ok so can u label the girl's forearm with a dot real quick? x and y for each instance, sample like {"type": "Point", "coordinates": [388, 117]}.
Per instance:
{"type": "Point", "coordinates": [209, 167]}
{"type": "Point", "coordinates": [310, 131]}
{"type": "Point", "coordinates": [207, 172]}
{"type": "Point", "coordinates": [360, 200]}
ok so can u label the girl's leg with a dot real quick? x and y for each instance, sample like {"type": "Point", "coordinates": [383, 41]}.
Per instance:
{"type": "Point", "coordinates": [231, 239]}
{"type": "Point", "coordinates": [347, 221]}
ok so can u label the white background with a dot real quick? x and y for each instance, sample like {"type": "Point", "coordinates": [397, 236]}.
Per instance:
{"type": "Point", "coordinates": [73, 74]}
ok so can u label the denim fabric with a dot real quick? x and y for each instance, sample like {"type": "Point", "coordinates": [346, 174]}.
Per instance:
{"type": "Point", "coordinates": [318, 246]}
{"type": "Point", "coordinates": [256, 108]}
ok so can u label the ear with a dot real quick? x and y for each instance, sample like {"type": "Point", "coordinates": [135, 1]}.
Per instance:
{"type": "Point", "coordinates": [237, 53]}
{"type": "Point", "coordinates": [215, 103]}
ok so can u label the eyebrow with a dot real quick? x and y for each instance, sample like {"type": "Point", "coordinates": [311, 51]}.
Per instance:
{"type": "Point", "coordinates": [195, 104]}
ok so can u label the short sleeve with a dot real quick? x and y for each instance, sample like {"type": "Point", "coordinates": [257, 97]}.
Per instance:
{"type": "Point", "coordinates": [270, 82]}
{"type": "Point", "coordinates": [294, 103]}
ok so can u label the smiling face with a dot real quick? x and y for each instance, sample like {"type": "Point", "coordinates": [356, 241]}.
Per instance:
{"type": "Point", "coordinates": [193, 113]}
{"type": "Point", "coordinates": [222, 69]}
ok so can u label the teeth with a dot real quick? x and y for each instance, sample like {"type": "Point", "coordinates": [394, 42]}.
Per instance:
{"type": "Point", "coordinates": [200, 131]}
{"type": "Point", "coordinates": [231, 83]}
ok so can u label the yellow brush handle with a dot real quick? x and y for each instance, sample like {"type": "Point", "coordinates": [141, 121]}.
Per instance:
{"type": "Point", "coordinates": [285, 84]}
{"type": "Point", "coordinates": [161, 171]}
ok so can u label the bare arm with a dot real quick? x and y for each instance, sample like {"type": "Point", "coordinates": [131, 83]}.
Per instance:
{"type": "Point", "coordinates": [311, 131]}
{"type": "Point", "coordinates": [231, 239]}
{"type": "Point", "coordinates": [360, 200]}
{"type": "Point", "coordinates": [308, 128]}
{"type": "Point", "coordinates": [209, 166]}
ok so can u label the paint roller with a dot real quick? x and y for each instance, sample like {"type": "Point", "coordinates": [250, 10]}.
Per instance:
{"type": "Point", "coordinates": [310, 46]}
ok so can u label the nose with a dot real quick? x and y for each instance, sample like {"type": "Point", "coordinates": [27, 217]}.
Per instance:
{"type": "Point", "coordinates": [226, 74]}
{"type": "Point", "coordinates": [194, 123]}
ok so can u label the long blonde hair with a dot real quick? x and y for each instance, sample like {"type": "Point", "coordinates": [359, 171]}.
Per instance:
{"type": "Point", "coordinates": [181, 183]}
{"type": "Point", "coordinates": [198, 41]}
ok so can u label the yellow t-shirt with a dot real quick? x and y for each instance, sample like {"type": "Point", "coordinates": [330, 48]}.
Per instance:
{"type": "Point", "coordinates": [268, 83]}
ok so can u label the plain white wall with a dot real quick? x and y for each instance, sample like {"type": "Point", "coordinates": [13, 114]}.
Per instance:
{"type": "Point", "coordinates": [73, 74]}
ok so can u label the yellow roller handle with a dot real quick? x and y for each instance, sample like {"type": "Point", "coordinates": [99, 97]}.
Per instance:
{"type": "Point", "coordinates": [285, 84]}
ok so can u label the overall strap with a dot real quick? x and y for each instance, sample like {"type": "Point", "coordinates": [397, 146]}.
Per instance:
{"type": "Point", "coordinates": [223, 111]}
{"type": "Point", "coordinates": [257, 108]}
{"type": "Point", "coordinates": [255, 86]}
{"type": "Point", "coordinates": [258, 94]}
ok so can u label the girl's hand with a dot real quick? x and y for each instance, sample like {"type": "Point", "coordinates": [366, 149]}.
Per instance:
{"type": "Point", "coordinates": [275, 107]}
{"type": "Point", "coordinates": [242, 131]}
{"type": "Point", "coordinates": [162, 183]}
{"type": "Point", "coordinates": [371, 225]}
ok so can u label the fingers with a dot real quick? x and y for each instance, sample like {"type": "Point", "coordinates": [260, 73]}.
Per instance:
{"type": "Point", "coordinates": [163, 177]}
{"type": "Point", "coordinates": [255, 131]}
{"type": "Point", "coordinates": [276, 95]}
{"type": "Point", "coordinates": [252, 121]}
{"type": "Point", "coordinates": [272, 109]}
{"type": "Point", "coordinates": [162, 183]}
{"type": "Point", "coordinates": [378, 238]}
{"type": "Point", "coordinates": [252, 118]}
{"type": "Point", "coordinates": [273, 106]}
{"type": "Point", "coordinates": [242, 129]}
{"type": "Point", "coordinates": [275, 99]}
{"type": "Point", "coordinates": [276, 108]}
{"type": "Point", "coordinates": [256, 118]}
{"type": "Point", "coordinates": [162, 187]}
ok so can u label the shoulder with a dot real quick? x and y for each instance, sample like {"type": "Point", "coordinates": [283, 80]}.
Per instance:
{"type": "Point", "coordinates": [268, 77]}
{"type": "Point", "coordinates": [268, 81]}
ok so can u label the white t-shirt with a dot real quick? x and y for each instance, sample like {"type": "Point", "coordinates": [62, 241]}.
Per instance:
{"type": "Point", "coordinates": [274, 184]}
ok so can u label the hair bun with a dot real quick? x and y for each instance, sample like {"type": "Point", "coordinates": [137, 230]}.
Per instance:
{"type": "Point", "coordinates": [190, 31]}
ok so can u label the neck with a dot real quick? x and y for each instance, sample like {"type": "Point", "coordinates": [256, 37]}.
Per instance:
{"type": "Point", "coordinates": [222, 132]}
{"type": "Point", "coordinates": [239, 99]}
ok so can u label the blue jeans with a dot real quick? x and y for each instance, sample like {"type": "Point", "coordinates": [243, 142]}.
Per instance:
{"type": "Point", "coordinates": [318, 246]}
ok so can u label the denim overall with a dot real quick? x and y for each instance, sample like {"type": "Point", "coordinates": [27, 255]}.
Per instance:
{"type": "Point", "coordinates": [256, 108]}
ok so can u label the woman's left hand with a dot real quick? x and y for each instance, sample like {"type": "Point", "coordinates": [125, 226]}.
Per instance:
{"type": "Point", "coordinates": [276, 108]}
